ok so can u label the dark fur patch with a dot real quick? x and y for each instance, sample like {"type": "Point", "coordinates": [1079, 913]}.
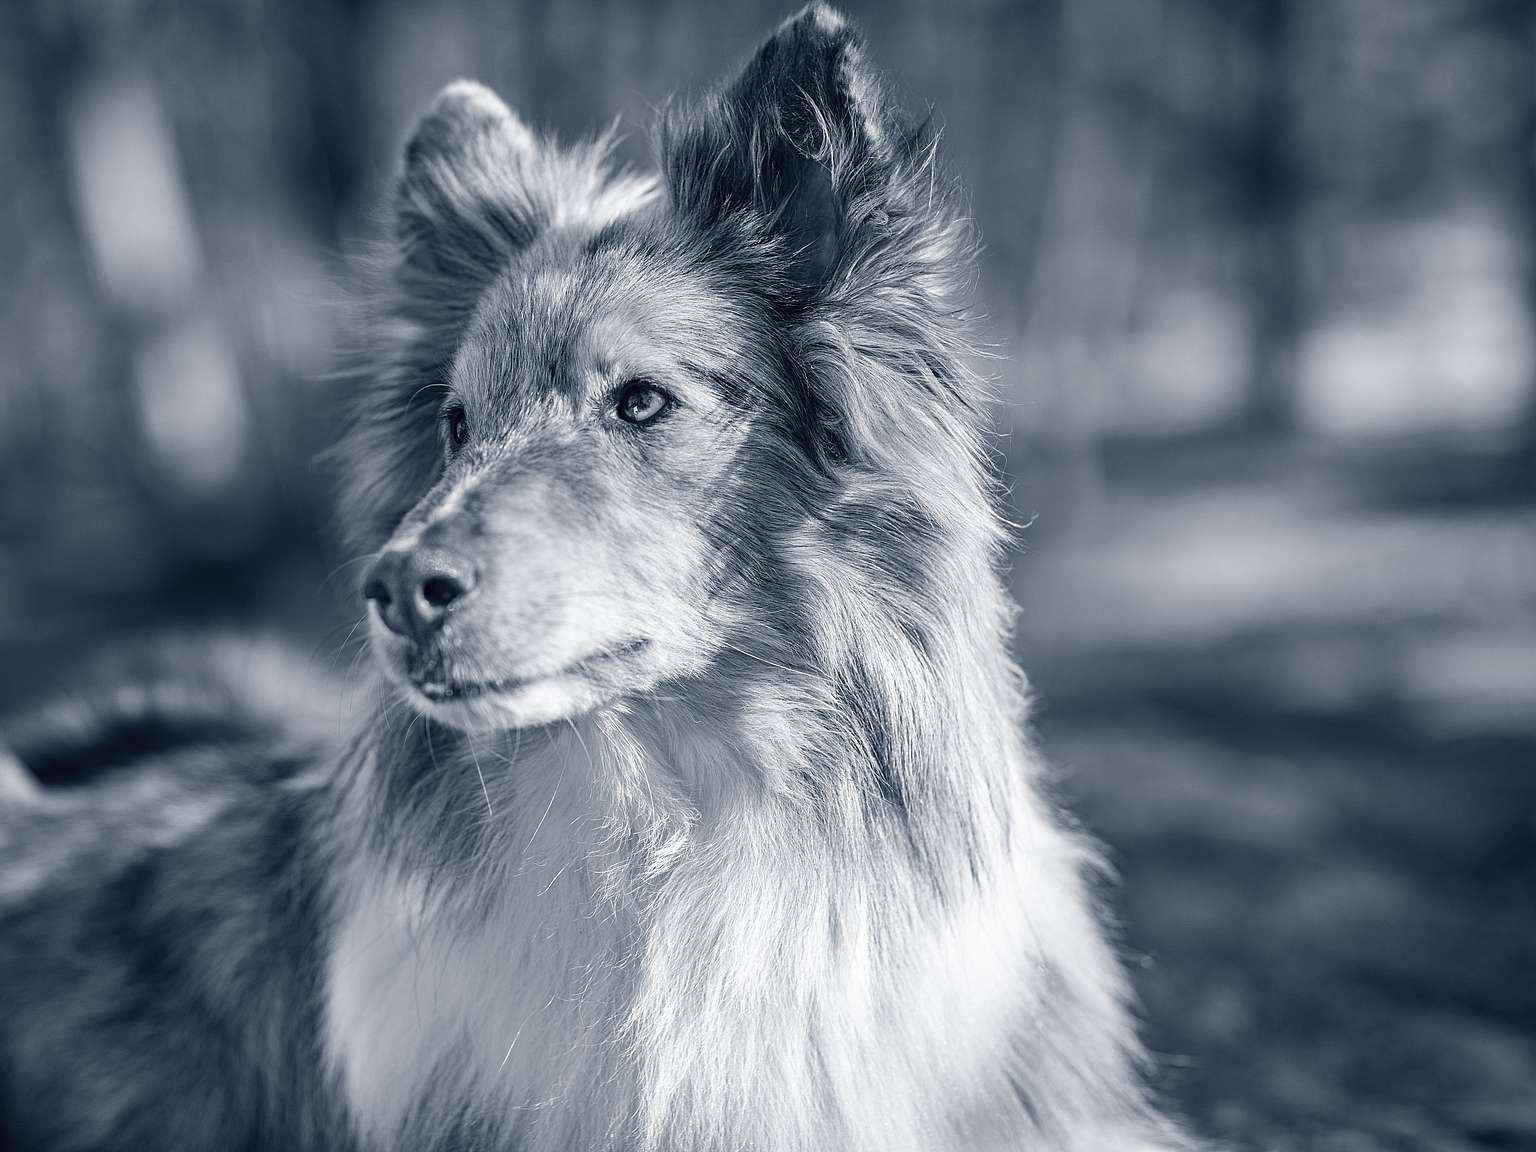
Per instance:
{"type": "Point", "coordinates": [75, 754]}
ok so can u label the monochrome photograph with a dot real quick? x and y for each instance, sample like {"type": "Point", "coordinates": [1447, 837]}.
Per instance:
{"type": "Point", "coordinates": [661, 576]}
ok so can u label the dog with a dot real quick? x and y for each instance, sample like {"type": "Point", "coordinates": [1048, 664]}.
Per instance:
{"type": "Point", "coordinates": [691, 806]}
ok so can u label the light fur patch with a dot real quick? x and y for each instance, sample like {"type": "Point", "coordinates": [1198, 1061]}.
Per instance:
{"type": "Point", "coordinates": [433, 1013]}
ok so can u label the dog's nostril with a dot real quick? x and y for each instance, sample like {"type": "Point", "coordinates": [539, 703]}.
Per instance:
{"type": "Point", "coordinates": [414, 590]}
{"type": "Point", "coordinates": [441, 590]}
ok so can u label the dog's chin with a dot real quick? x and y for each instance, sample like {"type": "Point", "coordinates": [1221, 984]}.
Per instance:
{"type": "Point", "coordinates": [527, 704]}
{"type": "Point", "coordinates": [480, 704]}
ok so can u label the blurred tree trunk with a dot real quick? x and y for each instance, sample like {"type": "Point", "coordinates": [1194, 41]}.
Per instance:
{"type": "Point", "coordinates": [1517, 20]}
{"type": "Point", "coordinates": [329, 159]}
{"type": "Point", "coordinates": [1270, 192]}
{"type": "Point", "coordinates": [1085, 277]}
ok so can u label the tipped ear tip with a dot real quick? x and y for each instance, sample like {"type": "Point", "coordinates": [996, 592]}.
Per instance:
{"type": "Point", "coordinates": [468, 98]}
{"type": "Point", "coordinates": [818, 17]}
{"type": "Point", "coordinates": [461, 110]}
{"type": "Point", "coordinates": [819, 35]}
{"type": "Point", "coordinates": [817, 31]}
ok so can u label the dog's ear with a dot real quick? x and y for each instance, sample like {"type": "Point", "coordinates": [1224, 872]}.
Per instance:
{"type": "Point", "coordinates": [797, 141]}
{"type": "Point", "coordinates": [811, 186]}
{"type": "Point", "coordinates": [462, 204]}
{"type": "Point", "coordinates": [468, 196]}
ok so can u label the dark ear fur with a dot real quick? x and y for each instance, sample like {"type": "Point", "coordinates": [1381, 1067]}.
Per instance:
{"type": "Point", "coordinates": [463, 201]}
{"type": "Point", "coordinates": [810, 184]}
{"type": "Point", "coordinates": [796, 139]}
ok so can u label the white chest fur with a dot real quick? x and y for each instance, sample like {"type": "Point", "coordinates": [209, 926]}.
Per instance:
{"type": "Point", "coordinates": [773, 994]}
{"type": "Point", "coordinates": [506, 1019]}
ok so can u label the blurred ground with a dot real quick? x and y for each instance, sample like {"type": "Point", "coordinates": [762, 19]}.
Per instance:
{"type": "Point", "coordinates": [1263, 275]}
{"type": "Point", "coordinates": [1296, 695]}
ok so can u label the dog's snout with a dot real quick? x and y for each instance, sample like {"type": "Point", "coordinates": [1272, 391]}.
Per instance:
{"type": "Point", "coordinates": [416, 590]}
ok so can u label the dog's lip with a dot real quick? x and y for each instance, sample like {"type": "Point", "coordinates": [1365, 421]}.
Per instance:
{"type": "Point", "coordinates": [440, 690]}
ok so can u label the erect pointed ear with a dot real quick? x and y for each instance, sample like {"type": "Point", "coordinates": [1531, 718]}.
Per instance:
{"type": "Point", "coordinates": [798, 140]}
{"type": "Point", "coordinates": [463, 202]}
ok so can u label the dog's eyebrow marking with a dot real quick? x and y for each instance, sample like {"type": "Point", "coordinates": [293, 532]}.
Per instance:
{"type": "Point", "coordinates": [725, 384]}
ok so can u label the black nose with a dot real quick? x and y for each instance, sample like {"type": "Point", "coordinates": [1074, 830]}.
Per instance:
{"type": "Point", "coordinates": [416, 590]}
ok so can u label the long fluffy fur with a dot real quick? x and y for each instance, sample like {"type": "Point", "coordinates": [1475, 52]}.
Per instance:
{"type": "Point", "coordinates": [810, 896]}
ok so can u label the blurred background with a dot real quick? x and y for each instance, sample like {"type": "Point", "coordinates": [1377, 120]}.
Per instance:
{"type": "Point", "coordinates": [1263, 274]}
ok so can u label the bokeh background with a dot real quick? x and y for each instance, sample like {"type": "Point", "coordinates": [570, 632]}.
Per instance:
{"type": "Point", "coordinates": [1263, 274]}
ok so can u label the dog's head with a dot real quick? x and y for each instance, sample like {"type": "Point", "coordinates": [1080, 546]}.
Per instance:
{"type": "Point", "coordinates": [611, 412]}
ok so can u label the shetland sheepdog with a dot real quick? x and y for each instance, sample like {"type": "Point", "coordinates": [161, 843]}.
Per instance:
{"type": "Point", "coordinates": [690, 806]}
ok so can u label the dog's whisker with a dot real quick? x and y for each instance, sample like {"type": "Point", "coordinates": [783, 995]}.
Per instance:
{"type": "Point", "coordinates": [489, 811]}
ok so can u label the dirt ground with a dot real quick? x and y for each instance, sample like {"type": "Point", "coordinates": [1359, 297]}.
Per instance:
{"type": "Point", "coordinates": [1296, 697]}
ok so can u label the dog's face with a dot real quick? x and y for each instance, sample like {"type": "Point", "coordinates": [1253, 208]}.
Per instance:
{"type": "Point", "coordinates": [601, 417]}
{"type": "Point", "coordinates": [590, 436]}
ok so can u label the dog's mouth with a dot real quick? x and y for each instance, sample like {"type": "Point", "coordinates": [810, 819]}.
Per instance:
{"type": "Point", "coordinates": [441, 688]}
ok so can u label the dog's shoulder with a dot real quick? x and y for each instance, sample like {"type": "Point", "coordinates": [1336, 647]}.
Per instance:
{"type": "Point", "coordinates": [160, 903]}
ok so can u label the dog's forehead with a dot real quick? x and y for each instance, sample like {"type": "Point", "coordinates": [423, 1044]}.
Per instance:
{"type": "Point", "coordinates": [564, 314]}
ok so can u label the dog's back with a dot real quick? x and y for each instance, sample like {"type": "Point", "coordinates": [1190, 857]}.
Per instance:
{"type": "Point", "coordinates": [159, 909]}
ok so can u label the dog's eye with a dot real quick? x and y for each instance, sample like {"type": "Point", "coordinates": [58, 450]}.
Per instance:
{"type": "Point", "coordinates": [455, 426]}
{"type": "Point", "coordinates": [641, 402]}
